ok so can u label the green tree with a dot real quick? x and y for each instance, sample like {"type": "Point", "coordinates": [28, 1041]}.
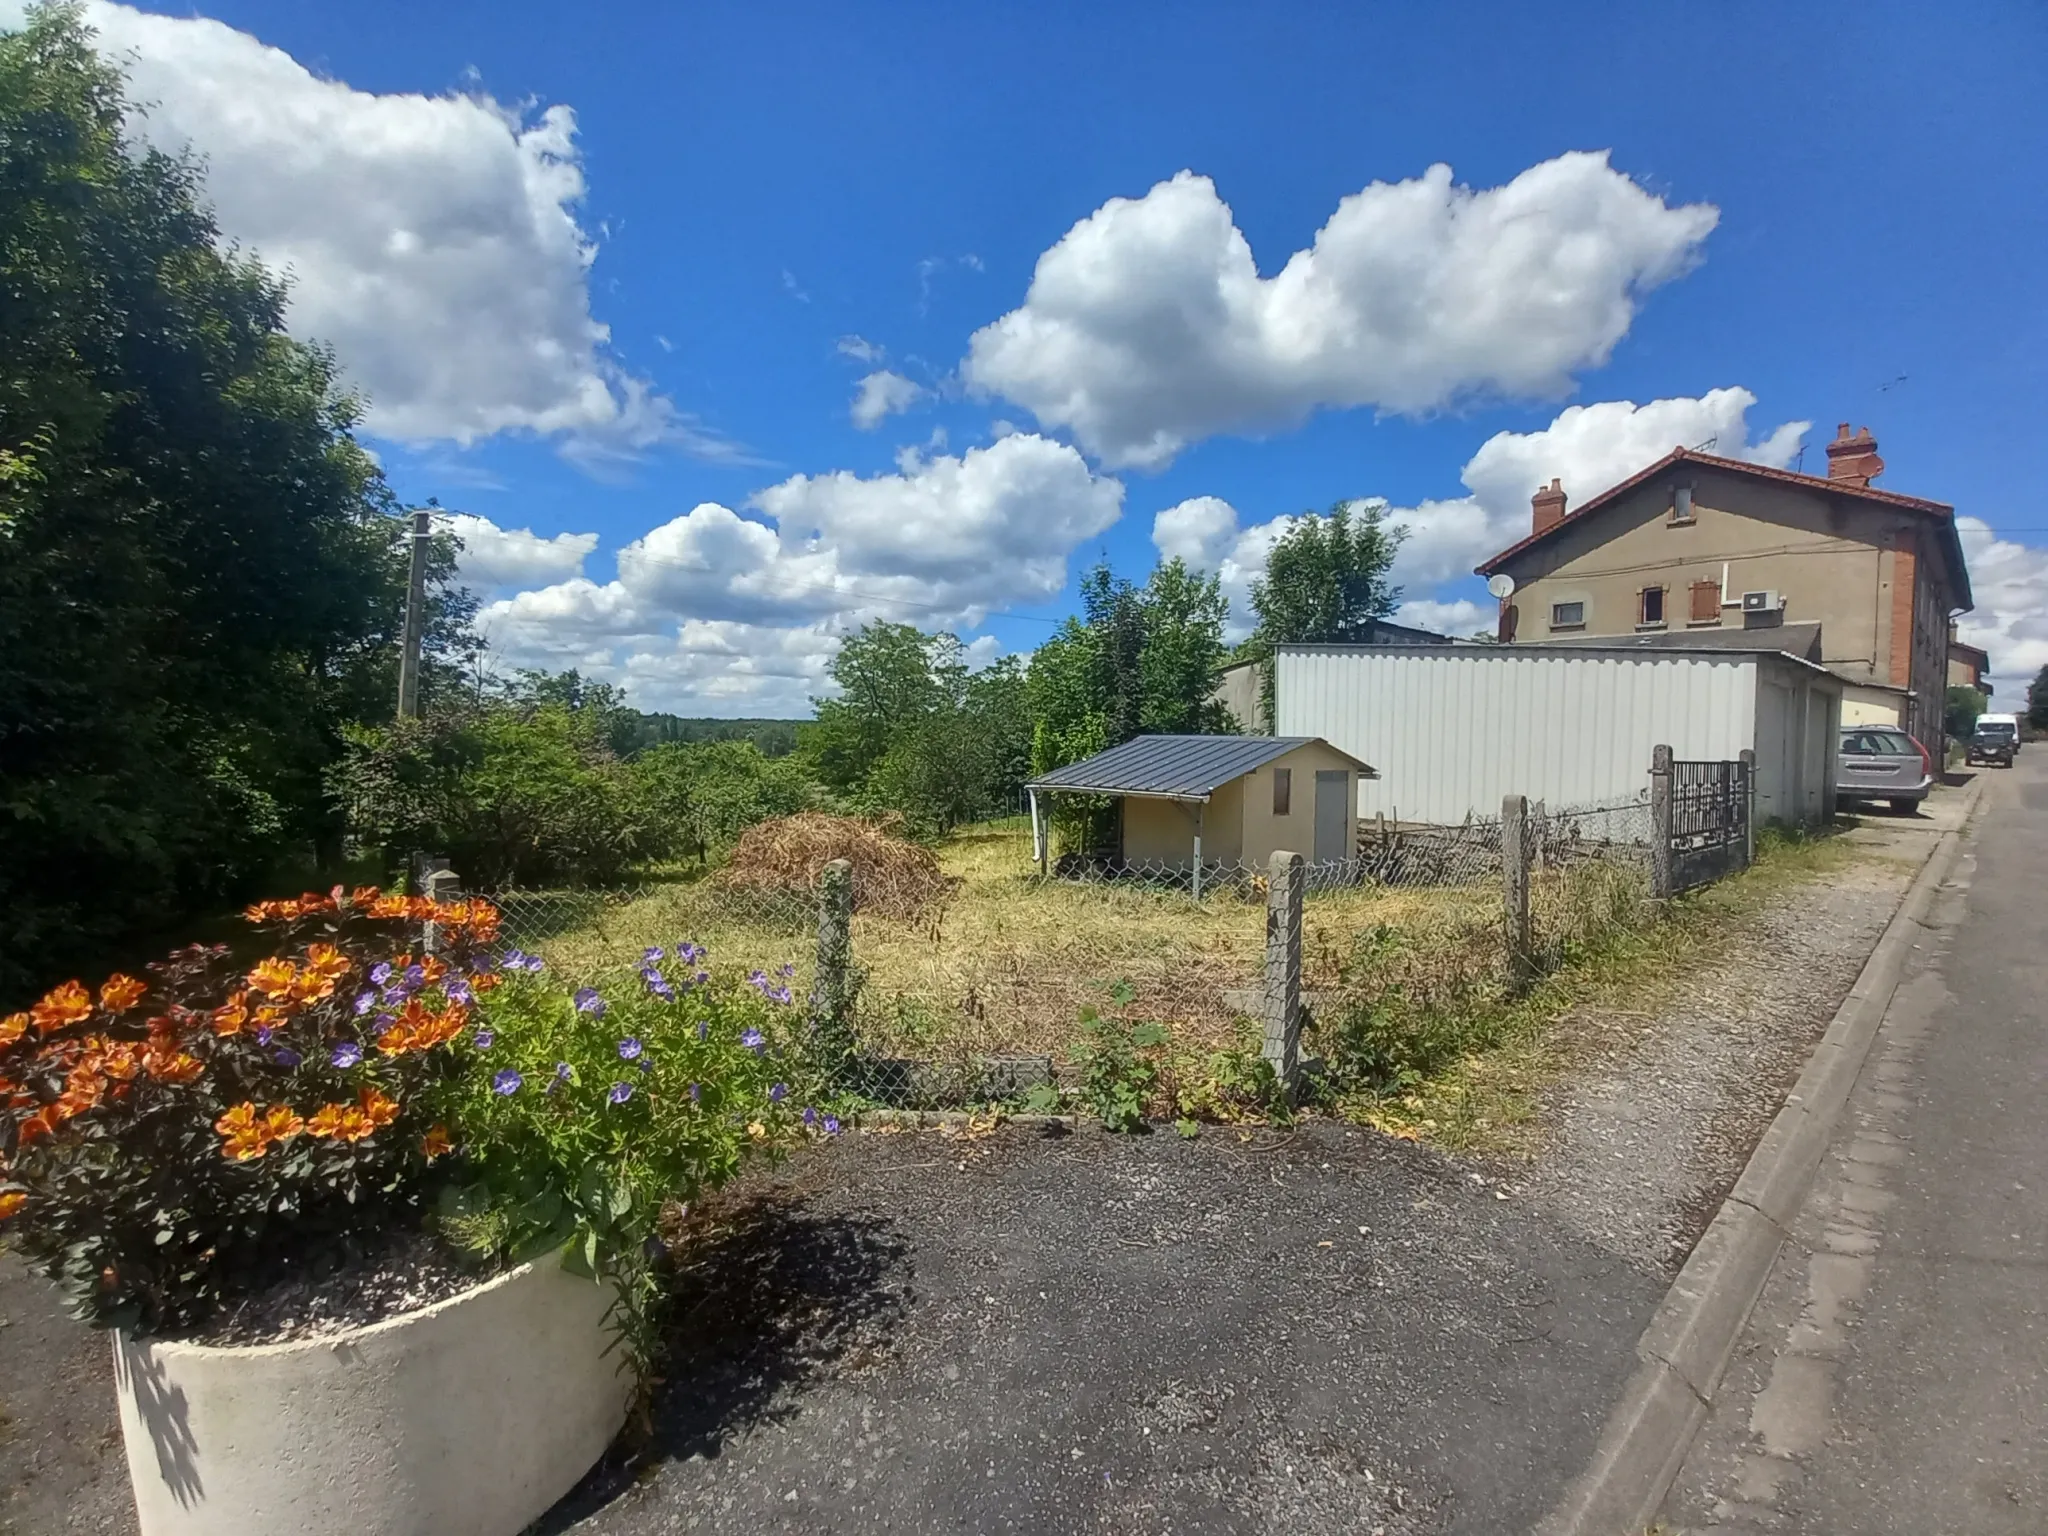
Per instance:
{"type": "Point", "coordinates": [1964, 705]}
{"type": "Point", "coordinates": [892, 678]}
{"type": "Point", "coordinates": [201, 572]}
{"type": "Point", "coordinates": [696, 797]}
{"type": "Point", "coordinates": [1326, 578]}
{"type": "Point", "coordinates": [2037, 701]}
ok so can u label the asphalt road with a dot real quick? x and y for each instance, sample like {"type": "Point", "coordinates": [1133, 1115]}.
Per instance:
{"type": "Point", "coordinates": [1894, 1376]}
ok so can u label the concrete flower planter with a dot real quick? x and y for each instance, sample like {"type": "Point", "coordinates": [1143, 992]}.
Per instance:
{"type": "Point", "coordinates": [466, 1418]}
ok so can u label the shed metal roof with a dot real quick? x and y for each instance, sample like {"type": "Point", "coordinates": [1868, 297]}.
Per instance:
{"type": "Point", "coordinates": [1176, 767]}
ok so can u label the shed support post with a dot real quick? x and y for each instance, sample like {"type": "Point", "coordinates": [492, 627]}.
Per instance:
{"type": "Point", "coordinates": [1286, 886]}
{"type": "Point", "coordinates": [1198, 851]}
{"type": "Point", "coordinates": [1660, 822]}
{"type": "Point", "coordinates": [1748, 757]}
{"type": "Point", "coordinates": [1514, 865]}
{"type": "Point", "coordinates": [1038, 837]}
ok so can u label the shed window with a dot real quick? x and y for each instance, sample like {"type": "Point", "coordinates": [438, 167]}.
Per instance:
{"type": "Point", "coordinates": [1653, 605]}
{"type": "Point", "coordinates": [1567, 615]}
{"type": "Point", "coordinates": [1283, 790]}
{"type": "Point", "coordinates": [1706, 602]}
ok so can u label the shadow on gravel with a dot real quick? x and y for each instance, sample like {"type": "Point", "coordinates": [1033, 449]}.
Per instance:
{"type": "Point", "coordinates": [769, 1296]}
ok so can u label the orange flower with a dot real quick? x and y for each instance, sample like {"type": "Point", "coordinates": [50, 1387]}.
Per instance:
{"type": "Point", "coordinates": [280, 1124]}
{"type": "Point", "coordinates": [245, 1148]}
{"type": "Point", "coordinates": [121, 1061]}
{"type": "Point", "coordinates": [42, 1123]}
{"type": "Point", "coordinates": [485, 981]}
{"type": "Point", "coordinates": [436, 1143]}
{"type": "Point", "coordinates": [175, 1067]}
{"type": "Point", "coordinates": [10, 1203]}
{"type": "Point", "coordinates": [433, 968]}
{"type": "Point", "coordinates": [68, 1004]}
{"type": "Point", "coordinates": [231, 1015]}
{"type": "Point", "coordinates": [270, 1015]}
{"type": "Point", "coordinates": [363, 896]}
{"type": "Point", "coordinates": [264, 912]}
{"type": "Point", "coordinates": [379, 1110]}
{"type": "Point", "coordinates": [388, 906]}
{"type": "Point", "coordinates": [339, 1122]}
{"type": "Point", "coordinates": [273, 977]}
{"type": "Point", "coordinates": [310, 988]}
{"type": "Point", "coordinates": [12, 1028]}
{"type": "Point", "coordinates": [238, 1121]}
{"type": "Point", "coordinates": [327, 962]}
{"type": "Point", "coordinates": [121, 993]}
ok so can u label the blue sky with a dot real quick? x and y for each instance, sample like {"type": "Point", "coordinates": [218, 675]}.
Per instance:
{"type": "Point", "coordinates": [1807, 214]}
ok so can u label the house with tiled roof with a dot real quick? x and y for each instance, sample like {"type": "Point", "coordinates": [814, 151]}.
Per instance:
{"type": "Point", "coordinates": [1696, 544]}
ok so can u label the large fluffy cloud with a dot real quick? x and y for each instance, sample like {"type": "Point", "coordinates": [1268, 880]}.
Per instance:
{"type": "Point", "coordinates": [942, 540]}
{"type": "Point", "coordinates": [494, 557]}
{"type": "Point", "coordinates": [1148, 327]}
{"type": "Point", "coordinates": [433, 241]}
{"type": "Point", "coordinates": [1589, 447]}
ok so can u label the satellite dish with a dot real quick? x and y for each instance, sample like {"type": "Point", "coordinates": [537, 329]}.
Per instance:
{"type": "Point", "coordinates": [1501, 584]}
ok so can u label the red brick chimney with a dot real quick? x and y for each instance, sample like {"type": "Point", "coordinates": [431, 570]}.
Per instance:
{"type": "Point", "coordinates": [1854, 459]}
{"type": "Point", "coordinates": [1546, 507]}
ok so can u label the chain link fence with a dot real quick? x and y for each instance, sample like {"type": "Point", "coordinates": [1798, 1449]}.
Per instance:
{"type": "Point", "coordinates": [968, 987]}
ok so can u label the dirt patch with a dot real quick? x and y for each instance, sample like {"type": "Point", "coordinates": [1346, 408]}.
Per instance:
{"type": "Point", "coordinates": [1641, 1143]}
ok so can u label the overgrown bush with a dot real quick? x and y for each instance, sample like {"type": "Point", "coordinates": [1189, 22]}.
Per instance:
{"type": "Point", "coordinates": [696, 798]}
{"type": "Point", "coordinates": [171, 1143]}
{"type": "Point", "coordinates": [512, 794]}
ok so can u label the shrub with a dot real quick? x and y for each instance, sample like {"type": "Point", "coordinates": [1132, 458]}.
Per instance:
{"type": "Point", "coordinates": [1119, 1062]}
{"type": "Point", "coordinates": [698, 796]}
{"type": "Point", "coordinates": [170, 1144]}
{"type": "Point", "coordinates": [596, 1107]}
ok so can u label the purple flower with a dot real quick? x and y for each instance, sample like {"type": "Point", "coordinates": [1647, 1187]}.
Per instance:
{"type": "Point", "coordinates": [286, 1057]}
{"type": "Point", "coordinates": [481, 961]}
{"type": "Point", "coordinates": [507, 1083]}
{"type": "Point", "coordinates": [459, 991]}
{"type": "Point", "coordinates": [662, 990]}
{"type": "Point", "coordinates": [587, 1001]}
{"type": "Point", "coordinates": [652, 953]}
{"type": "Point", "coordinates": [515, 959]}
{"type": "Point", "coordinates": [380, 973]}
{"type": "Point", "coordinates": [620, 1093]}
{"type": "Point", "coordinates": [347, 1054]}
{"type": "Point", "coordinates": [757, 978]}
{"type": "Point", "coordinates": [263, 1035]}
{"type": "Point", "coordinates": [534, 965]}
{"type": "Point", "coordinates": [689, 953]}
{"type": "Point", "coordinates": [563, 1072]}
{"type": "Point", "coordinates": [702, 977]}
{"type": "Point", "coordinates": [780, 994]}
{"type": "Point", "coordinates": [810, 1115]}
{"type": "Point", "coordinates": [629, 1049]}
{"type": "Point", "coordinates": [778, 1093]}
{"type": "Point", "coordinates": [696, 1093]}
{"type": "Point", "coordinates": [703, 1029]}
{"type": "Point", "coordinates": [831, 1125]}
{"type": "Point", "coordinates": [788, 969]}
{"type": "Point", "coordinates": [365, 1001]}
{"type": "Point", "coordinates": [483, 1039]}
{"type": "Point", "coordinates": [415, 977]}
{"type": "Point", "coordinates": [753, 1040]}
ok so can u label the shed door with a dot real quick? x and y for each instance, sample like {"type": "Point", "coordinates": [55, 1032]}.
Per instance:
{"type": "Point", "coordinates": [1333, 814]}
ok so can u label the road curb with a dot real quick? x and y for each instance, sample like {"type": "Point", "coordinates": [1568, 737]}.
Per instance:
{"type": "Point", "coordinates": [1695, 1329]}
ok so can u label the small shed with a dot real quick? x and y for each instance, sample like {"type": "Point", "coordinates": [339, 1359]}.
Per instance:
{"type": "Point", "coordinates": [1194, 802]}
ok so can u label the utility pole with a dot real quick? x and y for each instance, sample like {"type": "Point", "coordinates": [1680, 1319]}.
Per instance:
{"type": "Point", "coordinates": [415, 617]}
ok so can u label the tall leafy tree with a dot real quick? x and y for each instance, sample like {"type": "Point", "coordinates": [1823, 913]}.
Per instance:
{"type": "Point", "coordinates": [891, 678]}
{"type": "Point", "coordinates": [1327, 578]}
{"type": "Point", "coordinates": [201, 573]}
{"type": "Point", "coordinates": [2037, 701]}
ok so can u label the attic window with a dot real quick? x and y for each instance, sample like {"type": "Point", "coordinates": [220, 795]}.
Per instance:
{"type": "Point", "coordinates": [1681, 504]}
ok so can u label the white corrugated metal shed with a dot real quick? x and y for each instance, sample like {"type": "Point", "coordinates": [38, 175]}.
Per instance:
{"type": "Point", "coordinates": [1453, 731]}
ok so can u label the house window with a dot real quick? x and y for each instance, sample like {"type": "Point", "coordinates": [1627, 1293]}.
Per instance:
{"type": "Point", "coordinates": [1681, 504]}
{"type": "Point", "coordinates": [1283, 790]}
{"type": "Point", "coordinates": [1567, 615]}
{"type": "Point", "coordinates": [1653, 607]}
{"type": "Point", "coordinates": [1706, 602]}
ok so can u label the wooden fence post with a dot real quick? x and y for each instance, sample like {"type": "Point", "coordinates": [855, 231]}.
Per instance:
{"type": "Point", "coordinates": [1660, 822]}
{"type": "Point", "coordinates": [1748, 806]}
{"type": "Point", "coordinates": [1286, 886]}
{"type": "Point", "coordinates": [834, 986]}
{"type": "Point", "coordinates": [1514, 866]}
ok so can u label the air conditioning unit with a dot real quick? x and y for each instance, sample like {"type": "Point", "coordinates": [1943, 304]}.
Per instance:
{"type": "Point", "coordinates": [1761, 602]}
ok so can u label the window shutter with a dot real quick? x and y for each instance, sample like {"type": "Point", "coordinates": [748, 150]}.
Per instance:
{"type": "Point", "coordinates": [1706, 602]}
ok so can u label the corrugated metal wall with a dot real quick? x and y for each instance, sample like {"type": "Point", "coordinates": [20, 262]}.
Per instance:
{"type": "Point", "coordinates": [1452, 732]}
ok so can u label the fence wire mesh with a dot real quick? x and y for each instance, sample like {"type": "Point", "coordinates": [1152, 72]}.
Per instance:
{"type": "Point", "coordinates": [972, 976]}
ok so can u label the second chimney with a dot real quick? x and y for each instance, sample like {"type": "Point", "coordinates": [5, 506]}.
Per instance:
{"type": "Point", "coordinates": [1853, 459]}
{"type": "Point", "coordinates": [1546, 507]}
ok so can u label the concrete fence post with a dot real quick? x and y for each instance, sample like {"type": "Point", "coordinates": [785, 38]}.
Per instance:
{"type": "Point", "coordinates": [439, 885]}
{"type": "Point", "coordinates": [1660, 822]}
{"type": "Point", "coordinates": [833, 986]}
{"type": "Point", "coordinates": [1514, 866]}
{"type": "Point", "coordinates": [1748, 756]}
{"type": "Point", "coordinates": [1286, 887]}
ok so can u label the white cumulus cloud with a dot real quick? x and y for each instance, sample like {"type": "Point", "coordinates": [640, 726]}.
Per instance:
{"type": "Point", "coordinates": [880, 395]}
{"type": "Point", "coordinates": [2009, 581]}
{"type": "Point", "coordinates": [1147, 326]}
{"type": "Point", "coordinates": [494, 557]}
{"type": "Point", "coordinates": [743, 610]}
{"type": "Point", "coordinates": [432, 241]}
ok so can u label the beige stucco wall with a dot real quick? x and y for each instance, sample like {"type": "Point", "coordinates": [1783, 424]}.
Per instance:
{"type": "Point", "coordinates": [1265, 833]}
{"type": "Point", "coordinates": [1871, 706]}
{"type": "Point", "coordinates": [1162, 832]}
{"type": "Point", "coordinates": [1828, 562]}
